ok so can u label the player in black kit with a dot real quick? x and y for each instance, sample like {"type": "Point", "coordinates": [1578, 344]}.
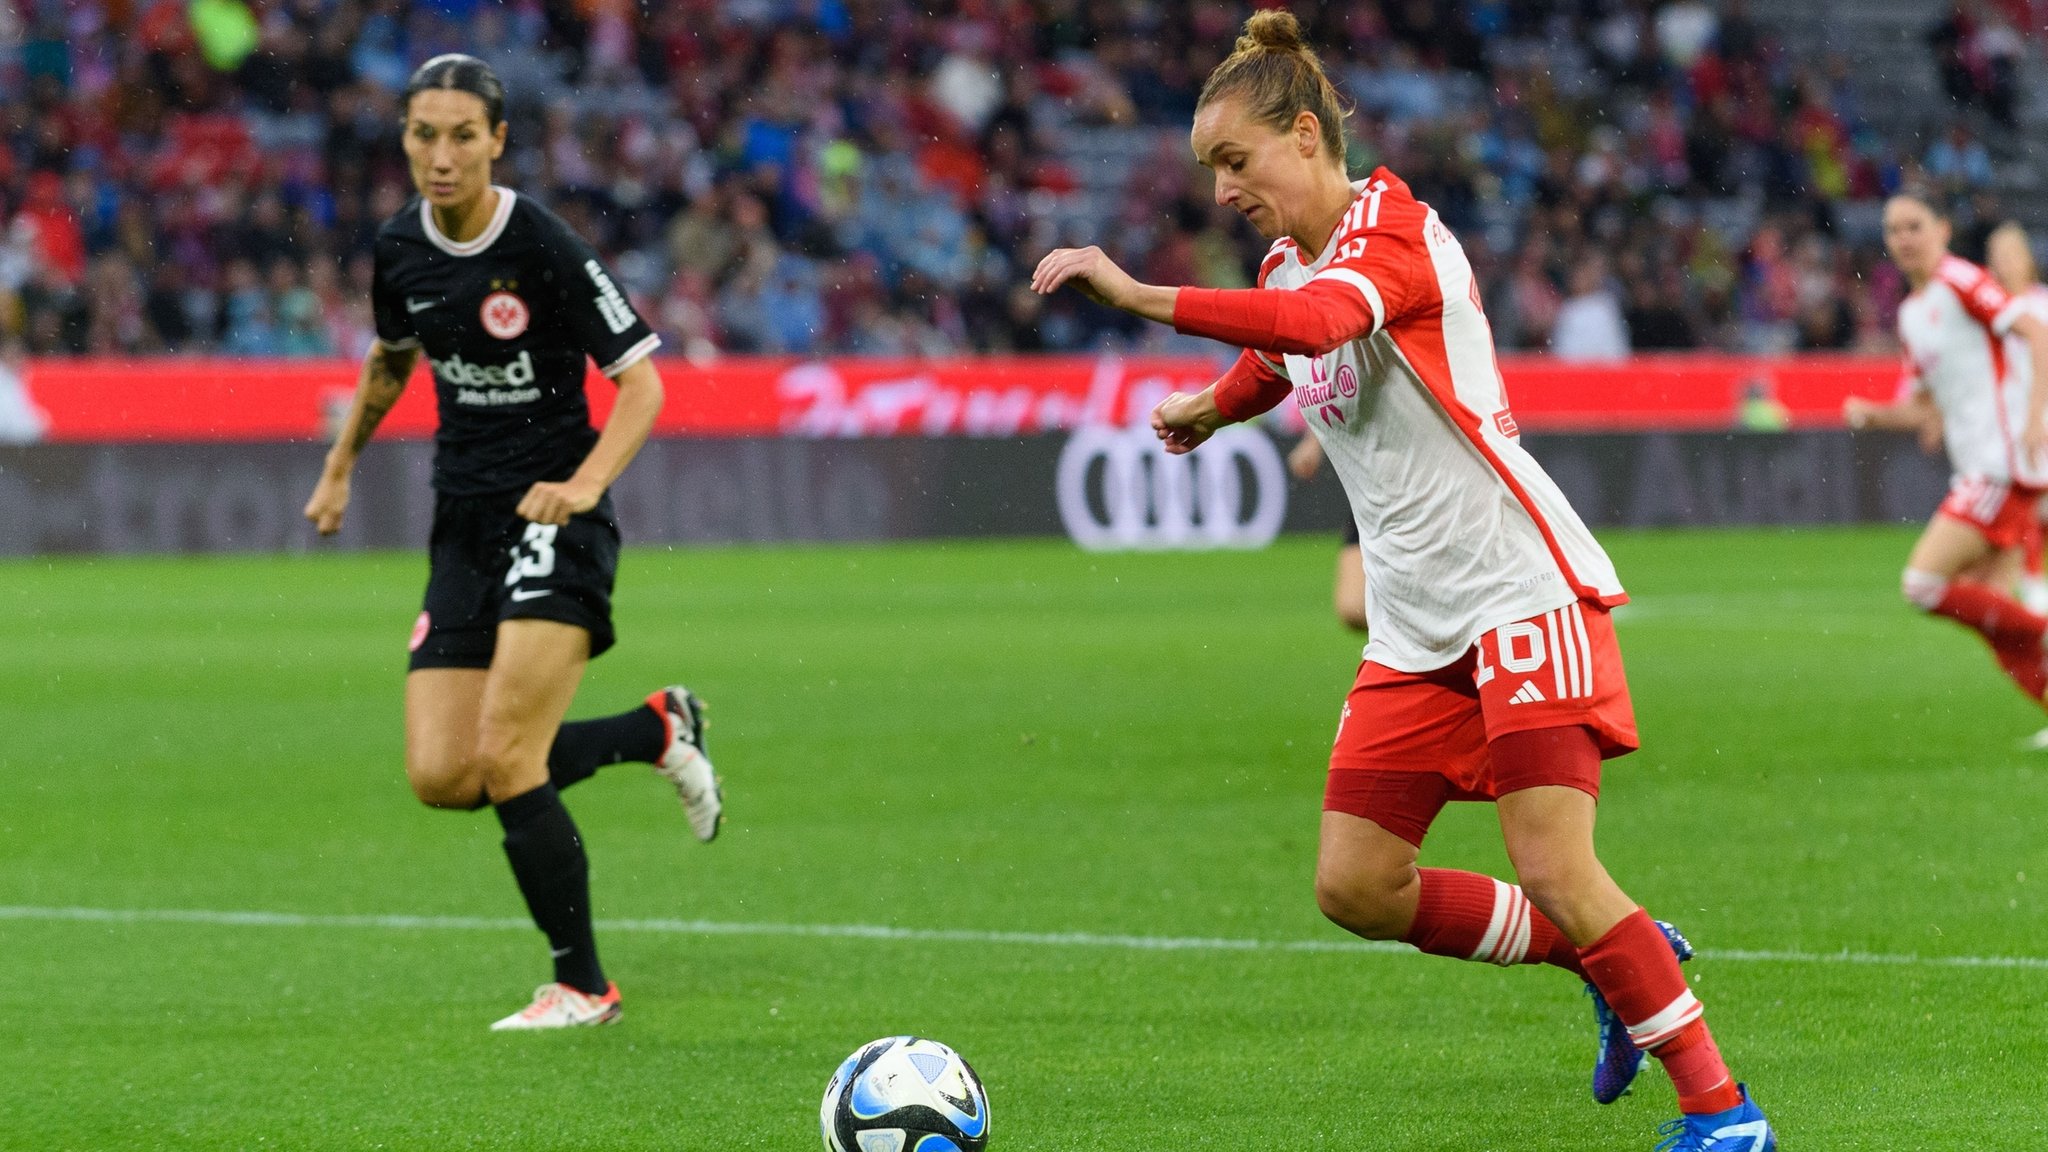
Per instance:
{"type": "Point", "coordinates": [507, 303]}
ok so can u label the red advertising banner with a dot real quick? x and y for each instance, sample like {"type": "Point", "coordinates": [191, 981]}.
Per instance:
{"type": "Point", "coordinates": [249, 400]}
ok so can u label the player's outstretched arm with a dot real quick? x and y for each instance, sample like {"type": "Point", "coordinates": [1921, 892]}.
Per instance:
{"type": "Point", "coordinates": [1093, 274]}
{"type": "Point", "coordinates": [1323, 314]}
{"type": "Point", "coordinates": [385, 371]}
{"type": "Point", "coordinates": [632, 420]}
{"type": "Point", "coordinates": [1909, 415]}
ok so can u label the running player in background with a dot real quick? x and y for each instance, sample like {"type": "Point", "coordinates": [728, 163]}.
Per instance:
{"type": "Point", "coordinates": [1347, 590]}
{"type": "Point", "coordinates": [509, 304]}
{"type": "Point", "coordinates": [2009, 256]}
{"type": "Point", "coordinates": [1953, 322]}
{"type": "Point", "coordinates": [1493, 672]}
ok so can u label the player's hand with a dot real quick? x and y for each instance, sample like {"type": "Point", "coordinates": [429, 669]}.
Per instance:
{"type": "Point", "coordinates": [2034, 441]}
{"type": "Point", "coordinates": [329, 502]}
{"type": "Point", "coordinates": [552, 503]}
{"type": "Point", "coordinates": [1856, 413]}
{"type": "Point", "coordinates": [1182, 422]}
{"type": "Point", "coordinates": [1306, 458]}
{"type": "Point", "coordinates": [1091, 273]}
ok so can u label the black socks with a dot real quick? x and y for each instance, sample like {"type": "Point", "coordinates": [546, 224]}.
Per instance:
{"type": "Point", "coordinates": [554, 875]}
{"type": "Point", "coordinates": [547, 853]}
{"type": "Point", "coordinates": [583, 746]}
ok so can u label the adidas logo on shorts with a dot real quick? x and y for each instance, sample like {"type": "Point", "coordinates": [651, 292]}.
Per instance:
{"type": "Point", "coordinates": [1528, 693]}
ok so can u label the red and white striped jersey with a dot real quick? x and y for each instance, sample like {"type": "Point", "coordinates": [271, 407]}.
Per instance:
{"type": "Point", "coordinates": [1954, 329]}
{"type": "Point", "coordinates": [1462, 531]}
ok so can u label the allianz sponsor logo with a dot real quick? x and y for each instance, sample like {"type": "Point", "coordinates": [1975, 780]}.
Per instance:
{"type": "Point", "coordinates": [618, 315]}
{"type": "Point", "coordinates": [1325, 395]}
{"type": "Point", "coordinates": [1321, 389]}
{"type": "Point", "coordinates": [489, 384]}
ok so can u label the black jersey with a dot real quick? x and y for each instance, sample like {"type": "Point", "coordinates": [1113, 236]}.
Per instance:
{"type": "Point", "coordinates": [506, 320]}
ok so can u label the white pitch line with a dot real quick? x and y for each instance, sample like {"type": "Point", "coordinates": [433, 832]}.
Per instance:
{"type": "Point", "coordinates": [919, 935]}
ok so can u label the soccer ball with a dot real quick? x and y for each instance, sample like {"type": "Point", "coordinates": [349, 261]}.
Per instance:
{"type": "Point", "coordinates": [904, 1094]}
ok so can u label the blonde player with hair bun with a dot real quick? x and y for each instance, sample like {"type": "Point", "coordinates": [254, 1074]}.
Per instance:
{"type": "Point", "coordinates": [1492, 672]}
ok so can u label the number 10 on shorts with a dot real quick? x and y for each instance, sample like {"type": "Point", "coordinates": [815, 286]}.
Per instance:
{"type": "Point", "coordinates": [1558, 639]}
{"type": "Point", "coordinates": [534, 555]}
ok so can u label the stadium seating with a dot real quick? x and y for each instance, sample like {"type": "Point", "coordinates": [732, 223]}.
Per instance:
{"type": "Point", "coordinates": [780, 177]}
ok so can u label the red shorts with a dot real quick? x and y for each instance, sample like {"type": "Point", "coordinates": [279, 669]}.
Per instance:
{"type": "Point", "coordinates": [2003, 512]}
{"type": "Point", "coordinates": [1409, 742]}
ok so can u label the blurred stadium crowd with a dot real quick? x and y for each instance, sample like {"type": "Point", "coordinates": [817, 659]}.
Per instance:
{"type": "Point", "coordinates": [875, 176]}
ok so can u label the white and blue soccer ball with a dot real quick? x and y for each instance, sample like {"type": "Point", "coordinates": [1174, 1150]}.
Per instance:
{"type": "Point", "coordinates": [904, 1094]}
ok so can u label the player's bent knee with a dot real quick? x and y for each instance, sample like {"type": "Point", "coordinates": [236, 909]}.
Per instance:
{"type": "Point", "coordinates": [1923, 590]}
{"type": "Point", "coordinates": [454, 790]}
{"type": "Point", "coordinates": [1368, 906]}
{"type": "Point", "coordinates": [1549, 887]}
{"type": "Point", "coordinates": [503, 766]}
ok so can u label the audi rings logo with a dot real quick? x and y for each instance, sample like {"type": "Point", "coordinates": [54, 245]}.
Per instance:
{"type": "Point", "coordinates": [1119, 489]}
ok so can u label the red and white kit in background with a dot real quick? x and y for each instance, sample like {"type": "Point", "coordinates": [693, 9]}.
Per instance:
{"type": "Point", "coordinates": [1489, 600]}
{"type": "Point", "coordinates": [1955, 330]}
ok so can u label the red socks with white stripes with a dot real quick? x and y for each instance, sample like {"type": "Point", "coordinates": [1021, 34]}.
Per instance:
{"type": "Point", "coordinates": [2014, 633]}
{"type": "Point", "coordinates": [1467, 916]}
{"type": "Point", "coordinates": [1634, 969]}
{"type": "Point", "coordinates": [2001, 619]}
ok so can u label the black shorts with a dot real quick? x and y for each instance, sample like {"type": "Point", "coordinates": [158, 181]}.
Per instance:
{"type": "Point", "coordinates": [1350, 533]}
{"type": "Point", "coordinates": [487, 564]}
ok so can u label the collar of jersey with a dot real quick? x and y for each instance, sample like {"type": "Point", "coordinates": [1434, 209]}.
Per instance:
{"type": "Point", "coordinates": [484, 240]}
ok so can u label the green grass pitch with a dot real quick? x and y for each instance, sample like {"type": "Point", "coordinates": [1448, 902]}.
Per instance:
{"type": "Point", "coordinates": [1006, 737]}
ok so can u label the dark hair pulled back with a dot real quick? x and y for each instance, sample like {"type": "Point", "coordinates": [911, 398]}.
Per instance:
{"type": "Point", "coordinates": [458, 73]}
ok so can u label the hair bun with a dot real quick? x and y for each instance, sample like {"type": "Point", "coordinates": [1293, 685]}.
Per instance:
{"type": "Point", "coordinates": [1272, 30]}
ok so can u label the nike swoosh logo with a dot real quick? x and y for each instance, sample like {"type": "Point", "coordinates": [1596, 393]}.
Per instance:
{"type": "Point", "coordinates": [419, 305]}
{"type": "Point", "coordinates": [532, 594]}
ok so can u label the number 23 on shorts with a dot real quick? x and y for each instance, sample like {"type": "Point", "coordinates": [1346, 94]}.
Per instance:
{"type": "Point", "coordinates": [534, 555]}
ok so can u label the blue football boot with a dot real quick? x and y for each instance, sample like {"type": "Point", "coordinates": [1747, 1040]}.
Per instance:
{"type": "Point", "coordinates": [1619, 1058]}
{"type": "Point", "coordinates": [1739, 1129]}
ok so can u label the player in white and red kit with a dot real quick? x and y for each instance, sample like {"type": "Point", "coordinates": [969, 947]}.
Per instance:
{"type": "Point", "coordinates": [2009, 256]}
{"type": "Point", "coordinates": [1954, 323]}
{"type": "Point", "coordinates": [1492, 671]}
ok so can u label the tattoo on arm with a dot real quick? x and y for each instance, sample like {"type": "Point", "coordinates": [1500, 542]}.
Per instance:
{"type": "Point", "coordinates": [384, 379]}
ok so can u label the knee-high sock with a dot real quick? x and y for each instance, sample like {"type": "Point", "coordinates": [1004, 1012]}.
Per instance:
{"type": "Point", "coordinates": [581, 747]}
{"type": "Point", "coordinates": [554, 875]}
{"type": "Point", "coordinates": [1998, 617]}
{"type": "Point", "coordinates": [2015, 634]}
{"type": "Point", "coordinates": [1634, 969]}
{"type": "Point", "coordinates": [1467, 916]}
{"type": "Point", "coordinates": [2028, 669]}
